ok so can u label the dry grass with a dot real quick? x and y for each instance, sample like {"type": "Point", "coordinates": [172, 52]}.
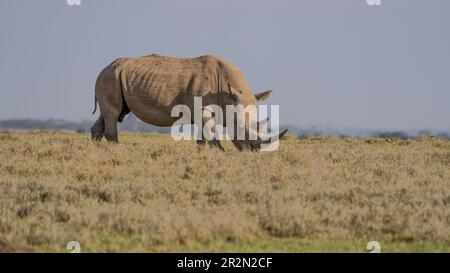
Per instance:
{"type": "Point", "coordinates": [150, 193]}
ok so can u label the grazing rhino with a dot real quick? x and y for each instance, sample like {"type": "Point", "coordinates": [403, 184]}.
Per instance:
{"type": "Point", "coordinates": [150, 86]}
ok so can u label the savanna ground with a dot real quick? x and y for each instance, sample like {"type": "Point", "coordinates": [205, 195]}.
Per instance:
{"type": "Point", "coordinates": [150, 193]}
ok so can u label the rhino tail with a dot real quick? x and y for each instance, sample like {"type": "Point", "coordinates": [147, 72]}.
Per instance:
{"type": "Point", "coordinates": [95, 105]}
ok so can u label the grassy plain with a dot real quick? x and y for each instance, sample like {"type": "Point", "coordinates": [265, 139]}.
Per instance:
{"type": "Point", "coordinates": [150, 193]}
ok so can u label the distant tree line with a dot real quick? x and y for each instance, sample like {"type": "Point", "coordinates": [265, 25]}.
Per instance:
{"type": "Point", "coordinates": [131, 123]}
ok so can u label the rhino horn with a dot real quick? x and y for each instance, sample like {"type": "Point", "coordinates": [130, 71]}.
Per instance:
{"type": "Point", "coordinates": [277, 138]}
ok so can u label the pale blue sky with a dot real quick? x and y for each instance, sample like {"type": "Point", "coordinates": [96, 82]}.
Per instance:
{"type": "Point", "coordinates": [331, 63]}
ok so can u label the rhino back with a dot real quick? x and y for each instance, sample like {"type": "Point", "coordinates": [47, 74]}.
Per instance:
{"type": "Point", "coordinates": [165, 81]}
{"type": "Point", "coordinates": [152, 85]}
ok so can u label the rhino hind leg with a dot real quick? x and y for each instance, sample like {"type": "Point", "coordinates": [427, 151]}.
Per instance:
{"type": "Point", "coordinates": [108, 91]}
{"type": "Point", "coordinates": [111, 114]}
{"type": "Point", "coordinates": [115, 111]}
{"type": "Point", "coordinates": [111, 130]}
{"type": "Point", "coordinates": [98, 129]}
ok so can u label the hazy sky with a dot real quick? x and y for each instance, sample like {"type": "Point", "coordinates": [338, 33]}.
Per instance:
{"type": "Point", "coordinates": [331, 63]}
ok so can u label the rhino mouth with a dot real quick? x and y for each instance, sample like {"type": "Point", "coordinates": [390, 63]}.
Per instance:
{"type": "Point", "coordinates": [255, 145]}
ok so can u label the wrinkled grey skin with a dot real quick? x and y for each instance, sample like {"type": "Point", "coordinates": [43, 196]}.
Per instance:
{"type": "Point", "coordinates": [151, 86]}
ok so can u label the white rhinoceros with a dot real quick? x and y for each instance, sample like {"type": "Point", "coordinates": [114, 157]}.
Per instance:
{"type": "Point", "coordinates": [150, 86]}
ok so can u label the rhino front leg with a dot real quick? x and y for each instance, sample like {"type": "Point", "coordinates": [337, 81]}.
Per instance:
{"type": "Point", "coordinates": [216, 143]}
{"type": "Point", "coordinates": [201, 143]}
{"type": "Point", "coordinates": [210, 127]}
{"type": "Point", "coordinates": [212, 144]}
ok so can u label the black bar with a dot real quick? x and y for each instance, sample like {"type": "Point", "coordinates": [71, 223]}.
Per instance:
{"type": "Point", "coordinates": [224, 262]}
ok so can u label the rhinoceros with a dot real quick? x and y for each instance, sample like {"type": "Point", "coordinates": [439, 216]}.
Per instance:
{"type": "Point", "coordinates": [150, 86]}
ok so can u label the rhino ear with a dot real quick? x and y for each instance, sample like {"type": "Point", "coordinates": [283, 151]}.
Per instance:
{"type": "Point", "coordinates": [263, 95]}
{"type": "Point", "coordinates": [236, 94]}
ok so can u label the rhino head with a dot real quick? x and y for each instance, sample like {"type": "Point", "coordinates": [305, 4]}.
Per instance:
{"type": "Point", "coordinates": [254, 136]}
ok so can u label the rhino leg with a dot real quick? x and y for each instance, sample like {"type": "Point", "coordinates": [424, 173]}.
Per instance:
{"type": "Point", "coordinates": [201, 142]}
{"type": "Point", "coordinates": [238, 144]}
{"type": "Point", "coordinates": [116, 111]}
{"type": "Point", "coordinates": [108, 92]}
{"type": "Point", "coordinates": [111, 131]}
{"type": "Point", "coordinates": [212, 144]}
{"type": "Point", "coordinates": [111, 113]}
{"type": "Point", "coordinates": [98, 129]}
{"type": "Point", "coordinates": [208, 121]}
{"type": "Point", "coordinates": [216, 143]}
